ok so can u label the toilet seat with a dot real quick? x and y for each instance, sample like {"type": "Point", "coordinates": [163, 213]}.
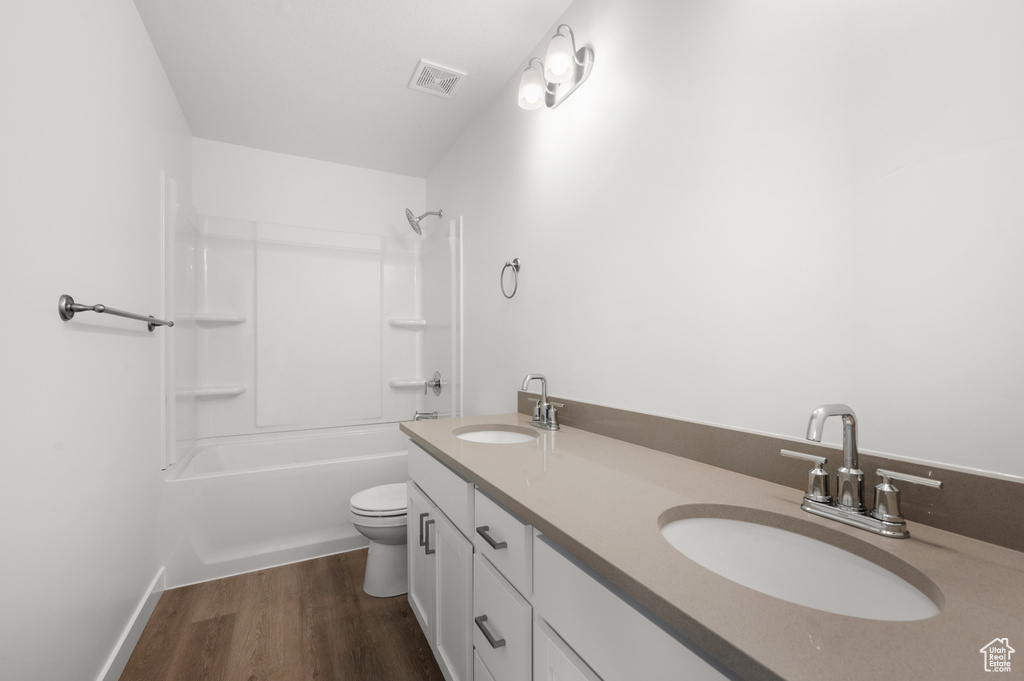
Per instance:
{"type": "Point", "coordinates": [384, 501]}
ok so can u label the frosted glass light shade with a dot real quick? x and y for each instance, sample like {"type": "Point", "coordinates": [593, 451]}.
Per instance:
{"type": "Point", "coordinates": [531, 89]}
{"type": "Point", "coordinates": [559, 63]}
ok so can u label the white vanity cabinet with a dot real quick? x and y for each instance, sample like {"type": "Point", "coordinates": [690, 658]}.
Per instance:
{"type": "Point", "coordinates": [501, 602]}
{"type": "Point", "coordinates": [440, 511]}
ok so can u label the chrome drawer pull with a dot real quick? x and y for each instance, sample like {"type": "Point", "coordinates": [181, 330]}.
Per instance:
{"type": "Point", "coordinates": [423, 542]}
{"type": "Point", "coordinates": [490, 638]}
{"type": "Point", "coordinates": [482, 531]}
{"type": "Point", "coordinates": [426, 526]}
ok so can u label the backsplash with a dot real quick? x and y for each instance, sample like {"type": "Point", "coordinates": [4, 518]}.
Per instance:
{"type": "Point", "coordinates": [976, 506]}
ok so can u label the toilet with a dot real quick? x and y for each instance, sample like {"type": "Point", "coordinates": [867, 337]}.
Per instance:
{"type": "Point", "coordinates": [379, 515]}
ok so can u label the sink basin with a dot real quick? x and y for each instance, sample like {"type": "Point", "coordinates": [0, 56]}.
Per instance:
{"type": "Point", "coordinates": [802, 570]}
{"type": "Point", "coordinates": [496, 434]}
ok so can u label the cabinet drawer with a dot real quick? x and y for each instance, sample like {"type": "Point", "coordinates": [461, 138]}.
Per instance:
{"type": "Point", "coordinates": [451, 494]}
{"type": "Point", "coordinates": [510, 548]}
{"type": "Point", "coordinates": [506, 617]}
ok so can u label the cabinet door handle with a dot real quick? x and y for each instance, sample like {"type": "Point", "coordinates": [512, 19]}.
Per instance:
{"type": "Point", "coordinates": [426, 534]}
{"type": "Point", "coordinates": [495, 643]}
{"type": "Point", "coordinates": [423, 542]}
{"type": "Point", "coordinates": [482, 531]}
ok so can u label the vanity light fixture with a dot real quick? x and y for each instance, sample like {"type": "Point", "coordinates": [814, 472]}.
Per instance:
{"type": "Point", "coordinates": [563, 70]}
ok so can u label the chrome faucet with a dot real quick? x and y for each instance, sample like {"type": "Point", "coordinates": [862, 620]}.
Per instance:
{"type": "Point", "coordinates": [850, 478]}
{"type": "Point", "coordinates": [887, 518]}
{"type": "Point", "coordinates": [544, 414]}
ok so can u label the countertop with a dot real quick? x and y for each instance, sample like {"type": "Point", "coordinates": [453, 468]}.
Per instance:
{"type": "Point", "coordinates": [602, 499]}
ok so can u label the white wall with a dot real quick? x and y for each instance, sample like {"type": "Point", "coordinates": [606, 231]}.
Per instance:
{"type": "Point", "coordinates": [753, 208]}
{"type": "Point", "coordinates": [87, 124]}
{"type": "Point", "coordinates": [241, 183]}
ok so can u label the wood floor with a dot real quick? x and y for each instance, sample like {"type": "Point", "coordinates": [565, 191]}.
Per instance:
{"type": "Point", "coordinates": [298, 622]}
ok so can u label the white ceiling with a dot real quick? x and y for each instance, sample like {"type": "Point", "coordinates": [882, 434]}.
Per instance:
{"type": "Point", "coordinates": [328, 79]}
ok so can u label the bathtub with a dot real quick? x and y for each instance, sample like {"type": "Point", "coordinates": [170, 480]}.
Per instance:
{"type": "Point", "coordinates": [240, 504]}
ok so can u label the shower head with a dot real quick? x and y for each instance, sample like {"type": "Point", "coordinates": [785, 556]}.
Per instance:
{"type": "Point", "coordinates": [414, 221]}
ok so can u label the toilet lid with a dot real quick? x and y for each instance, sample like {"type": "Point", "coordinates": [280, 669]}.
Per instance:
{"type": "Point", "coordinates": [382, 500]}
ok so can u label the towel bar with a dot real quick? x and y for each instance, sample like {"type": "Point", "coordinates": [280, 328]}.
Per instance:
{"type": "Point", "coordinates": [67, 307]}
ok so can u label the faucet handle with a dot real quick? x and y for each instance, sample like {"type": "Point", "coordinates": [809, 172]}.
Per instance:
{"type": "Point", "coordinates": [551, 416]}
{"type": "Point", "coordinates": [887, 496]}
{"type": "Point", "coordinates": [906, 477]}
{"type": "Point", "coordinates": [817, 477]}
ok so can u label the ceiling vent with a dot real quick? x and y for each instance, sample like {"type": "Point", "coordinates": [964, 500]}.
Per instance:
{"type": "Point", "coordinates": [437, 80]}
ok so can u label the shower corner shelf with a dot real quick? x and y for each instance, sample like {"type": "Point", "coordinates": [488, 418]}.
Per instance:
{"type": "Point", "coordinates": [407, 382]}
{"type": "Point", "coordinates": [219, 318]}
{"type": "Point", "coordinates": [225, 390]}
{"type": "Point", "coordinates": [413, 324]}
{"type": "Point", "coordinates": [417, 383]}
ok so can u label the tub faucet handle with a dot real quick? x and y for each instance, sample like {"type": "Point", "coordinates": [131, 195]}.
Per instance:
{"type": "Point", "coordinates": [435, 383]}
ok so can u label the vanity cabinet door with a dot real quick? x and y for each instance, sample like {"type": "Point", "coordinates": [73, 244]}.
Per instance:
{"type": "Point", "coordinates": [420, 521]}
{"type": "Point", "coordinates": [553, 660]}
{"type": "Point", "coordinates": [454, 601]}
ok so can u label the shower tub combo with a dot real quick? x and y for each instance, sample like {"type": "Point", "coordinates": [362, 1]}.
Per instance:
{"type": "Point", "coordinates": [256, 501]}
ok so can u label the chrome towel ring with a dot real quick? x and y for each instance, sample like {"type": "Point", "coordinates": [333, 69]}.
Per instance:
{"type": "Point", "coordinates": [515, 274]}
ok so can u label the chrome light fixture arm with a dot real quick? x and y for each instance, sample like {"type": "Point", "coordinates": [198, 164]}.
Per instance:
{"type": "Point", "coordinates": [559, 92]}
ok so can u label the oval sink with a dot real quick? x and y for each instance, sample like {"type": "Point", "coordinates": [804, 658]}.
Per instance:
{"type": "Point", "coordinates": [496, 434]}
{"type": "Point", "coordinates": [802, 570]}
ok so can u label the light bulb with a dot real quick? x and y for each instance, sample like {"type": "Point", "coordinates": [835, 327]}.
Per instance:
{"type": "Point", "coordinates": [559, 63]}
{"type": "Point", "coordinates": [531, 89]}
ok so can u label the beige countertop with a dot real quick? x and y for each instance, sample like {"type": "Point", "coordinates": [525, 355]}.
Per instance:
{"type": "Point", "coordinates": [601, 499]}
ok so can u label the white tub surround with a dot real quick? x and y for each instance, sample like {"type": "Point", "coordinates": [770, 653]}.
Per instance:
{"type": "Point", "coordinates": [302, 289]}
{"type": "Point", "coordinates": [256, 501]}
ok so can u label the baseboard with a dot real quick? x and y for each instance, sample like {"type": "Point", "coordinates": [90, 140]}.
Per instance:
{"type": "Point", "coordinates": [133, 632]}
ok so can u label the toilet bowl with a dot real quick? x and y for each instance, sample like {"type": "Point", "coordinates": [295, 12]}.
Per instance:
{"type": "Point", "coordinates": [379, 514]}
